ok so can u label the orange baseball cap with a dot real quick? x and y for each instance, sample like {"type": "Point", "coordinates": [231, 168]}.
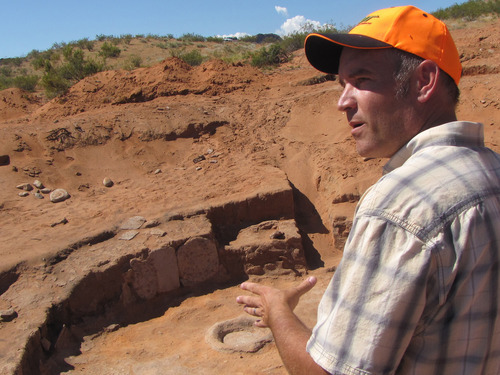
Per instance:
{"type": "Point", "coordinates": [406, 28]}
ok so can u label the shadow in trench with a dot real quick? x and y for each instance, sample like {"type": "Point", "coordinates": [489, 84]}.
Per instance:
{"type": "Point", "coordinates": [114, 316]}
{"type": "Point", "coordinates": [308, 221]}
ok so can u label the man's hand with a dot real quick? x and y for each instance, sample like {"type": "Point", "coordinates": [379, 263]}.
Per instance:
{"type": "Point", "coordinates": [275, 309]}
{"type": "Point", "coordinates": [269, 303]}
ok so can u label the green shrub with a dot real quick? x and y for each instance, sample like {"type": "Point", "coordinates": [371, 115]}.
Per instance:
{"type": "Point", "coordinates": [57, 79]}
{"type": "Point", "coordinates": [153, 36]}
{"type": "Point", "coordinates": [54, 84]}
{"type": "Point", "coordinates": [294, 41]}
{"type": "Point", "coordinates": [127, 38]}
{"type": "Point", "coordinates": [85, 43]}
{"type": "Point", "coordinates": [265, 57]}
{"type": "Point", "coordinates": [215, 39]}
{"type": "Point", "coordinates": [57, 46]}
{"type": "Point", "coordinates": [249, 38]}
{"type": "Point", "coordinates": [193, 57]}
{"type": "Point", "coordinates": [192, 38]}
{"type": "Point", "coordinates": [6, 71]}
{"type": "Point", "coordinates": [469, 10]}
{"type": "Point", "coordinates": [175, 45]}
{"type": "Point", "coordinates": [109, 50]}
{"type": "Point", "coordinates": [14, 61]}
{"type": "Point", "coordinates": [25, 82]}
{"type": "Point", "coordinates": [133, 62]}
{"type": "Point", "coordinates": [161, 45]}
{"type": "Point", "coordinates": [232, 53]}
{"type": "Point", "coordinates": [5, 82]}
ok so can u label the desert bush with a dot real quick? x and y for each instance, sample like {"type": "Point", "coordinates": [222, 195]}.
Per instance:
{"type": "Point", "coordinates": [295, 41]}
{"type": "Point", "coordinates": [161, 45]}
{"type": "Point", "coordinates": [39, 60]}
{"type": "Point", "coordinates": [5, 82]}
{"type": "Point", "coordinates": [57, 79]}
{"type": "Point", "coordinates": [272, 56]}
{"type": "Point", "coordinates": [54, 84]}
{"type": "Point", "coordinates": [154, 37]}
{"type": "Point", "coordinates": [101, 37]}
{"type": "Point", "coordinates": [469, 10]}
{"type": "Point", "coordinates": [13, 61]}
{"type": "Point", "coordinates": [26, 82]}
{"type": "Point", "coordinates": [59, 45]}
{"type": "Point", "coordinates": [133, 62]}
{"type": "Point", "coordinates": [232, 53]}
{"type": "Point", "coordinates": [6, 71]}
{"type": "Point", "coordinates": [109, 50]}
{"type": "Point", "coordinates": [248, 38]}
{"type": "Point", "coordinates": [215, 39]}
{"type": "Point", "coordinates": [176, 45]}
{"type": "Point", "coordinates": [192, 38]}
{"type": "Point", "coordinates": [193, 57]}
{"type": "Point", "coordinates": [127, 38]}
{"type": "Point", "coordinates": [85, 43]}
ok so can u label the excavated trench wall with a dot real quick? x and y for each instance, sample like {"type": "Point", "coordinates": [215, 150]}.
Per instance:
{"type": "Point", "coordinates": [141, 260]}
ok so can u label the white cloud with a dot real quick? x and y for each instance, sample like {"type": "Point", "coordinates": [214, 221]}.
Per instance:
{"type": "Point", "coordinates": [281, 10]}
{"type": "Point", "coordinates": [297, 23]}
{"type": "Point", "coordinates": [235, 35]}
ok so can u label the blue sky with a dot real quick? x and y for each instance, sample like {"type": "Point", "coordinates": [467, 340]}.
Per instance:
{"type": "Point", "coordinates": [37, 24]}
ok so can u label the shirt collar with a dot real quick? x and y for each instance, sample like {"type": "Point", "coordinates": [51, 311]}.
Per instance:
{"type": "Point", "coordinates": [457, 133]}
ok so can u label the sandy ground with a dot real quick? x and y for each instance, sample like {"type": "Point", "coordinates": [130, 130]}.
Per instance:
{"type": "Point", "coordinates": [256, 125]}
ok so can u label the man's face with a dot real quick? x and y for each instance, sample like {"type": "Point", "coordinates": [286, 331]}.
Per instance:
{"type": "Point", "coordinates": [379, 120]}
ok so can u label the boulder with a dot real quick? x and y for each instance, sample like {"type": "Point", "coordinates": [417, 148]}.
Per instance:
{"type": "Point", "coordinates": [198, 260]}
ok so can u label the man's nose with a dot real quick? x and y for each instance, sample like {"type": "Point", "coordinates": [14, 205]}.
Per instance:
{"type": "Point", "coordinates": [346, 101]}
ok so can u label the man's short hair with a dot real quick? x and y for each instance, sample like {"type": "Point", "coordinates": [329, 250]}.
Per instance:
{"type": "Point", "coordinates": [406, 63]}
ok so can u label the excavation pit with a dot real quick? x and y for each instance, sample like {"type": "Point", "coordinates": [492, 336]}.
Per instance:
{"type": "Point", "coordinates": [105, 279]}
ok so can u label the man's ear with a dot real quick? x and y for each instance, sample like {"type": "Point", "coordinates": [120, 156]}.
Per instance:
{"type": "Point", "coordinates": [427, 74]}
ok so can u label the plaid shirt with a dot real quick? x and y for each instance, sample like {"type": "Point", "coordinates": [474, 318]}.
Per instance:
{"type": "Point", "coordinates": [417, 291]}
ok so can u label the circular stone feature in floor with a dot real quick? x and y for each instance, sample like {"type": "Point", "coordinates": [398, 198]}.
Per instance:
{"type": "Point", "coordinates": [238, 335]}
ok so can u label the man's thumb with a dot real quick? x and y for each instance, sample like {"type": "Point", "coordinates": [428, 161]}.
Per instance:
{"type": "Point", "coordinates": [306, 285]}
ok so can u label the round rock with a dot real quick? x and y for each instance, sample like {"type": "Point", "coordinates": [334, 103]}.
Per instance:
{"type": "Point", "coordinates": [107, 182]}
{"type": "Point", "coordinates": [59, 195]}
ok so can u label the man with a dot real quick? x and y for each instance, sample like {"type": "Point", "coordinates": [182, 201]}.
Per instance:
{"type": "Point", "coordinates": [417, 290]}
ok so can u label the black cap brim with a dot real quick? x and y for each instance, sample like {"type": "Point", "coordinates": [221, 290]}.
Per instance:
{"type": "Point", "coordinates": [323, 50]}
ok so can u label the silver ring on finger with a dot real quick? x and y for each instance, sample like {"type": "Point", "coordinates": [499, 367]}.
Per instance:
{"type": "Point", "coordinates": [255, 311]}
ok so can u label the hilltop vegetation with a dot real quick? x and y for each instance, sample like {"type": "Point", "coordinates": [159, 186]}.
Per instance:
{"type": "Point", "coordinates": [470, 10]}
{"type": "Point", "coordinates": [58, 68]}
